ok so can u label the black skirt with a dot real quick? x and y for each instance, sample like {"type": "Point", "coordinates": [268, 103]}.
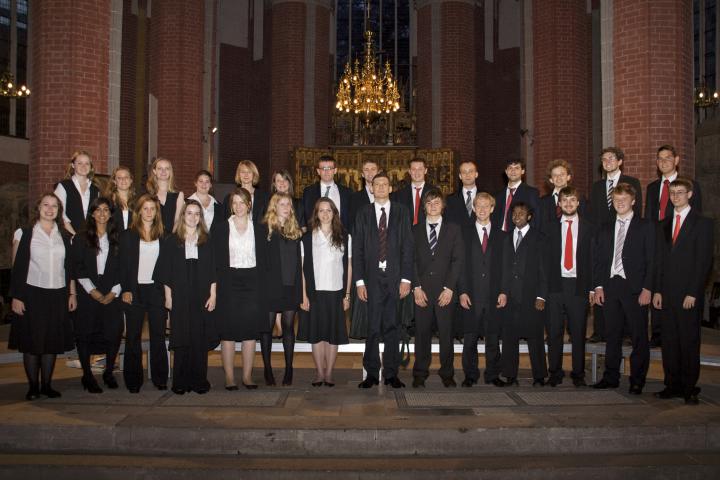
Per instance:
{"type": "Point", "coordinates": [244, 320]}
{"type": "Point", "coordinates": [46, 327]}
{"type": "Point", "coordinates": [285, 299]}
{"type": "Point", "coordinates": [326, 320]}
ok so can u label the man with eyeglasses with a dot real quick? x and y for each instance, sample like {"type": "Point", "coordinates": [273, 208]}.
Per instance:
{"type": "Point", "coordinates": [326, 187]}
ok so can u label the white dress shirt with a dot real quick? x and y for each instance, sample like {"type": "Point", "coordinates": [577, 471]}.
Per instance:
{"type": "Point", "coordinates": [524, 231]}
{"type": "Point", "coordinates": [47, 258]}
{"type": "Point", "coordinates": [327, 262]}
{"type": "Point", "coordinates": [620, 270]}
{"type": "Point", "coordinates": [437, 228]}
{"type": "Point", "coordinates": [413, 188]}
{"type": "Point", "coordinates": [100, 262]}
{"type": "Point", "coordinates": [209, 212]}
{"type": "Point", "coordinates": [149, 253]}
{"type": "Point", "coordinates": [334, 193]}
{"type": "Point", "coordinates": [84, 197]}
{"type": "Point", "coordinates": [242, 246]}
{"type": "Point", "coordinates": [473, 192]}
{"type": "Point", "coordinates": [615, 178]}
{"type": "Point", "coordinates": [683, 215]}
{"type": "Point", "coordinates": [479, 230]}
{"type": "Point", "coordinates": [572, 273]}
{"type": "Point", "coordinates": [670, 179]}
{"type": "Point", "coordinates": [191, 249]}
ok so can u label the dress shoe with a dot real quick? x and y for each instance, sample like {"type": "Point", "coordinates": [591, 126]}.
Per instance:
{"type": "Point", "coordinates": [133, 389]}
{"type": "Point", "coordinates": [329, 384]}
{"type": "Point", "coordinates": [510, 381]}
{"type": "Point", "coordinates": [691, 398]}
{"type": "Point", "coordinates": [394, 382]}
{"type": "Point", "coordinates": [604, 384]}
{"type": "Point", "coordinates": [655, 342]}
{"type": "Point", "coordinates": [497, 382]}
{"type": "Point", "coordinates": [269, 377]}
{"type": "Point", "coordinates": [90, 384]}
{"type": "Point", "coordinates": [594, 338]}
{"type": "Point", "coordinates": [467, 383]}
{"type": "Point", "coordinates": [109, 380]}
{"type": "Point", "coordinates": [33, 393]}
{"type": "Point", "coordinates": [231, 388]}
{"type": "Point", "coordinates": [635, 390]}
{"type": "Point", "coordinates": [449, 382]}
{"type": "Point", "coordinates": [201, 391]}
{"type": "Point", "coordinates": [288, 377]}
{"type": "Point", "coordinates": [554, 382]}
{"type": "Point", "coordinates": [160, 386]}
{"type": "Point", "coordinates": [317, 384]}
{"type": "Point", "coordinates": [668, 393]}
{"type": "Point", "coordinates": [368, 382]}
{"type": "Point", "coordinates": [579, 382]}
{"type": "Point", "coordinates": [178, 390]}
{"type": "Point", "coordinates": [250, 386]}
{"type": "Point", "coordinates": [539, 382]}
{"type": "Point", "coordinates": [418, 382]}
{"type": "Point", "coordinates": [48, 391]}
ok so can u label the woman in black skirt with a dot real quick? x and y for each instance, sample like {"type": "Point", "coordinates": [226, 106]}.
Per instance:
{"type": "Point", "coordinates": [240, 256]}
{"type": "Point", "coordinates": [99, 321]}
{"type": "Point", "coordinates": [42, 292]}
{"type": "Point", "coordinates": [187, 270]}
{"type": "Point", "coordinates": [327, 276]}
{"type": "Point", "coordinates": [161, 184]}
{"type": "Point", "coordinates": [77, 190]}
{"type": "Point", "coordinates": [139, 251]}
{"type": "Point", "coordinates": [283, 280]}
{"type": "Point", "coordinates": [122, 195]}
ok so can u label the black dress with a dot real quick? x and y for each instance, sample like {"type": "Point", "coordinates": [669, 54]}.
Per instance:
{"type": "Point", "coordinates": [283, 277]}
{"type": "Point", "coordinates": [167, 211]}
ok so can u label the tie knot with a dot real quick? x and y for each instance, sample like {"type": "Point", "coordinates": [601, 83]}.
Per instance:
{"type": "Point", "coordinates": [469, 193]}
{"type": "Point", "coordinates": [677, 217]}
{"type": "Point", "coordinates": [418, 188]}
{"type": "Point", "coordinates": [433, 225]}
{"type": "Point", "coordinates": [610, 182]}
{"type": "Point", "coordinates": [382, 209]}
{"type": "Point", "coordinates": [484, 230]}
{"type": "Point", "coordinates": [512, 190]}
{"type": "Point", "coordinates": [666, 182]}
{"type": "Point", "coordinates": [569, 222]}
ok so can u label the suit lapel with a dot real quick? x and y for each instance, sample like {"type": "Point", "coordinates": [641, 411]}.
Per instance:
{"type": "Point", "coordinates": [685, 228]}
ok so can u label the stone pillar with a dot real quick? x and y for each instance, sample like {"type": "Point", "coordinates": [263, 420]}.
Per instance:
{"type": "Point", "coordinates": [69, 103]}
{"type": "Point", "coordinates": [653, 68]}
{"type": "Point", "coordinates": [562, 88]}
{"type": "Point", "coordinates": [177, 29]}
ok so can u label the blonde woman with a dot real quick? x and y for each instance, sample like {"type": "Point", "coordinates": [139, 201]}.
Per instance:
{"type": "Point", "coordinates": [247, 177]}
{"type": "Point", "coordinates": [122, 194]}
{"type": "Point", "coordinates": [161, 184]}
{"type": "Point", "coordinates": [283, 282]}
{"type": "Point", "coordinates": [77, 190]}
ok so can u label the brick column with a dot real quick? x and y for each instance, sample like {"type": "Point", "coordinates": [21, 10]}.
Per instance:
{"type": "Point", "coordinates": [652, 61]}
{"type": "Point", "coordinates": [176, 79]}
{"type": "Point", "coordinates": [562, 88]}
{"type": "Point", "coordinates": [69, 103]}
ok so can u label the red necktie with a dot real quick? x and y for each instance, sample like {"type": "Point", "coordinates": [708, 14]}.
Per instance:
{"type": "Point", "coordinates": [485, 240]}
{"type": "Point", "coordinates": [568, 260]}
{"type": "Point", "coordinates": [508, 201]}
{"type": "Point", "coordinates": [417, 205]}
{"type": "Point", "coordinates": [664, 197]}
{"type": "Point", "coordinates": [676, 231]}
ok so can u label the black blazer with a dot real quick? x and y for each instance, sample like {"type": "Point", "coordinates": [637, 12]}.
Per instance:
{"type": "Point", "coordinates": [682, 269]}
{"type": "Point", "coordinates": [406, 196]}
{"type": "Point", "coordinates": [455, 211]}
{"type": "Point", "coordinates": [637, 257]}
{"type": "Point", "coordinates": [524, 193]}
{"type": "Point", "coordinates": [85, 259]}
{"type": "Point", "coordinates": [599, 212]}
{"type": "Point", "coordinates": [130, 255]}
{"type": "Point", "coordinates": [312, 194]}
{"type": "Point", "coordinates": [118, 218]}
{"type": "Point", "coordinates": [652, 200]}
{"type": "Point", "coordinates": [357, 201]}
{"type": "Point", "coordinates": [365, 246]}
{"type": "Point", "coordinates": [583, 257]}
{"type": "Point", "coordinates": [309, 269]}
{"type": "Point", "coordinates": [73, 203]}
{"type": "Point", "coordinates": [433, 272]}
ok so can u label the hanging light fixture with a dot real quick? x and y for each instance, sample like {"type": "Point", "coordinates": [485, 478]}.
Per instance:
{"type": "Point", "coordinates": [8, 88]}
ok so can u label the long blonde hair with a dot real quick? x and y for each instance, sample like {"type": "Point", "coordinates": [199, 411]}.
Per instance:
{"type": "Point", "coordinates": [290, 229]}
{"type": "Point", "coordinates": [112, 190]}
{"type": "Point", "coordinates": [156, 230]}
{"type": "Point", "coordinates": [181, 232]}
{"type": "Point", "coordinates": [152, 185]}
{"type": "Point", "coordinates": [70, 169]}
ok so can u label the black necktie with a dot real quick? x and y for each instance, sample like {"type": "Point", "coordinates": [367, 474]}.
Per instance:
{"type": "Point", "coordinates": [382, 236]}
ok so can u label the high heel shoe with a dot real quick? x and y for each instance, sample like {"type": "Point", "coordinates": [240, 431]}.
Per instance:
{"type": "Point", "coordinates": [317, 383]}
{"type": "Point", "coordinates": [33, 393]}
{"type": "Point", "coordinates": [90, 384]}
{"type": "Point", "coordinates": [49, 392]}
{"type": "Point", "coordinates": [329, 384]}
{"type": "Point", "coordinates": [269, 378]}
{"type": "Point", "coordinates": [109, 380]}
{"type": "Point", "coordinates": [250, 386]}
{"type": "Point", "coordinates": [288, 377]}
{"type": "Point", "coordinates": [231, 388]}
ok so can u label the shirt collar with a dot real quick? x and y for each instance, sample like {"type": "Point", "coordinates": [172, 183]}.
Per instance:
{"type": "Point", "coordinates": [437, 224]}
{"type": "Point", "coordinates": [614, 177]}
{"type": "Point", "coordinates": [574, 218]}
{"type": "Point", "coordinates": [420, 186]}
{"type": "Point", "coordinates": [515, 187]}
{"type": "Point", "coordinates": [628, 217]}
{"type": "Point", "coordinates": [325, 185]}
{"type": "Point", "coordinates": [472, 190]}
{"type": "Point", "coordinates": [671, 178]}
{"type": "Point", "coordinates": [524, 230]}
{"type": "Point", "coordinates": [486, 227]}
{"type": "Point", "coordinates": [683, 213]}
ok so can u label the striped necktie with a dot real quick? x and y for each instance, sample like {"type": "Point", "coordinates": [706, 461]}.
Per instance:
{"type": "Point", "coordinates": [610, 192]}
{"type": "Point", "coordinates": [433, 237]}
{"type": "Point", "coordinates": [468, 203]}
{"type": "Point", "coordinates": [619, 243]}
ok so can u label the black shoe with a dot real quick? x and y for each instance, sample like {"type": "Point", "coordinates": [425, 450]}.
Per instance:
{"type": "Point", "coordinates": [668, 393]}
{"type": "Point", "coordinates": [329, 384]}
{"type": "Point", "coordinates": [250, 386]}
{"type": "Point", "coordinates": [91, 385]}
{"type": "Point", "coordinates": [201, 391]}
{"type": "Point", "coordinates": [160, 386]}
{"type": "Point", "coordinates": [449, 382]}
{"type": "Point", "coordinates": [109, 380]}
{"type": "Point", "coordinates": [269, 378]}
{"type": "Point", "coordinates": [178, 390]}
{"type": "Point", "coordinates": [467, 383]}
{"type": "Point", "coordinates": [288, 377]}
{"type": "Point", "coordinates": [604, 384]}
{"type": "Point", "coordinates": [554, 382]}
{"type": "Point", "coordinates": [394, 382]}
{"type": "Point", "coordinates": [497, 382]}
{"type": "Point", "coordinates": [33, 393]}
{"type": "Point", "coordinates": [635, 390]}
{"type": "Point", "coordinates": [579, 382]}
{"type": "Point", "coordinates": [539, 382]}
{"type": "Point", "coordinates": [594, 338]}
{"type": "Point", "coordinates": [691, 398]}
{"type": "Point", "coordinates": [317, 384]}
{"type": "Point", "coordinates": [368, 382]}
{"type": "Point", "coordinates": [50, 393]}
{"type": "Point", "coordinates": [418, 382]}
{"type": "Point", "coordinates": [510, 381]}
{"type": "Point", "coordinates": [231, 388]}
{"type": "Point", "coordinates": [655, 342]}
{"type": "Point", "coordinates": [133, 389]}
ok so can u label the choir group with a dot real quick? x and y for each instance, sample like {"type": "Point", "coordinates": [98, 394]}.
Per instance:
{"type": "Point", "coordinates": [93, 265]}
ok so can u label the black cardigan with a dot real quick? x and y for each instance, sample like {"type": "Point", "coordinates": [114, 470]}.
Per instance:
{"type": "Point", "coordinates": [18, 283]}
{"type": "Point", "coordinates": [308, 268]}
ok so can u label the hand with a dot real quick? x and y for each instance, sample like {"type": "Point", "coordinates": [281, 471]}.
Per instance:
{"type": "Point", "coordinates": [108, 298]}
{"type": "Point", "coordinates": [644, 298]}
{"type": "Point", "coordinates": [72, 303]}
{"type": "Point", "coordinates": [168, 302]}
{"type": "Point", "coordinates": [305, 305]}
{"type": "Point", "coordinates": [599, 296]}
{"type": "Point", "coordinates": [18, 306]}
{"type": "Point", "coordinates": [465, 301]}
{"type": "Point", "coordinates": [501, 301]}
{"type": "Point", "coordinates": [445, 297]}
{"type": "Point", "coordinates": [539, 304]}
{"type": "Point", "coordinates": [591, 298]}
{"type": "Point", "coordinates": [404, 289]}
{"type": "Point", "coordinates": [210, 304]}
{"type": "Point", "coordinates": [362, 293]}
{"type": "Point", "coordinates": [420, 297]}
{"type": "Point", "coordinates": [688, 302]}
{"type": "Point", "coordinates": [346, 303]}
{"type": "Point", "coordinates": [127, 297]}
{"type": "Point", "coordinates": [96, 295]}
{"type": "Point", "coordinates": [657, 301]}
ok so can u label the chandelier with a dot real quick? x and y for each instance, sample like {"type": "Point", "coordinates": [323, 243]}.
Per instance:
{"type": "Point", "coordinates": [704, 98]}
{"type": "Point", "coordinates": [9, 89]}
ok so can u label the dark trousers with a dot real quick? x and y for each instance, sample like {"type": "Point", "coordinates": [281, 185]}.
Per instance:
{"type": "Point", "coordinates": [511, 356]}
{"type": "Point", "coordinates": [655, 323]}
{"type": "Point", "coordinates": [190, 365]}
{"type": "Point", "coordinates": [566, 304]}
{"type": "Point", "coordinates": [427, 320]}
{"type": "Point", "coordinates": [492, 356]}
{"type": "Point", "coordinates": [622, 312]}
{"type": "Point", "coordinates": [599, 321]}
{"type": "Point", "coordinates": [149, 299]}
{"type": "Point", "coordinates": [681, 347]}
{"type": "Point", "coordinates": [382, 323]}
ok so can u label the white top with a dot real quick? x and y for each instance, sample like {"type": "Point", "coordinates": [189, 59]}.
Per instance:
{"type": "Point", "coordinates": [242, 246]}
{"type": "Point", "coordinates": [327, 262]}
{"type": "Point", "coordinates": [334, 193]}
{"type": "Point", "coordinates": [572, 273]}
{"type": "Point", "coordinates": [683, 215]}
{"type": "Point", "coordinates": [479, 229]}
{"type": "Point", "coordinates": [149, 252]}
{"type": "Point", "coordinates": [47, 258]}
{"type": "Point", "coordinates": [85, 197]}
{"type": "Point", "coordinates": [209, 212]}
{"type": "Point", "coordinates": [191, 249]}
{"type": "Point", "coordinates": [621, 270]}
{"type": "Point", "coordinates": [437, 228]}
{"type": "Point", "coordinates": [100, 261]}
{"type": "Point", "coordinates": [126, 216]}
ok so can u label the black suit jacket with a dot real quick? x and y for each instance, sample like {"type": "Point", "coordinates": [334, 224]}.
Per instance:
{"type": "Point", "coordinates": [583, 257]}
{"type": "Point", "coordinates": [682, 269]}
{"type": "Point", "coordinates": [433, 272]}
{"type": "Point", "coordinates": [456, 212]}
{"type": "Point", "coordinates": [85, 259]}
{"type": "Point", "coordinates": [406, 196]}
{"type": "Point", "coordinates": [637, 255]}
{"type": "Point", "coordinates": [357, 201]}
{"type": "Point", "coordinates": [599, 212]}
{"type": "Point", "coordinates": [365, 246]}
{"type": "Point", "coordinates": [524, 193]}
{"type": "Point", "coordinates": [652, 201]}
{"type": "Point", "coordinates": [312, 193]}
{"type": "Point", "coordinates": [130, 255]}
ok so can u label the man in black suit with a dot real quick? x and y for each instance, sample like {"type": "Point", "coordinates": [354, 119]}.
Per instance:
{"type": "Point", "coordinates": [365, 195]}
{"type": "Point", "coordinates": [601, 211]}
{"type": "Point", "coordinates": [382, 266]}
{"type": "Point", "coordinates": [480, 293]}
{"type": "Point", "coordinates": [570, 288]}
{"type": "Point", "coordinates": [411, 195]}
{"type": "Point", "coordinates": [623, 279]}
{"type": "Point", "coordinates": [658, 207]}
{"type": "Point", "coordinates": [524, 285]}
{"type": "Point", "coordinates": [515, 191]}
{"type": "Point", "coordinates": [559, 176]}
{"type": "Point", "coordinates": [684, 259]}
{"type": "Point", "coordinates": [326, 187]}
{"type": "Point", "coordinates": [439, 259]}
{"type": "Point", "coordinates": [460, 204]}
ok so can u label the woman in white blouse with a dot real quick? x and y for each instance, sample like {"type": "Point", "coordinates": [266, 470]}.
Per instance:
{"type": "Point", "coordinates": [77, 190]}
{"type": "Point", "coordinates": [42, 293]}
{"type": "Point", "coordinates": [203, 185]}
{"type": "Point", "coordinates": [327, 275]}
